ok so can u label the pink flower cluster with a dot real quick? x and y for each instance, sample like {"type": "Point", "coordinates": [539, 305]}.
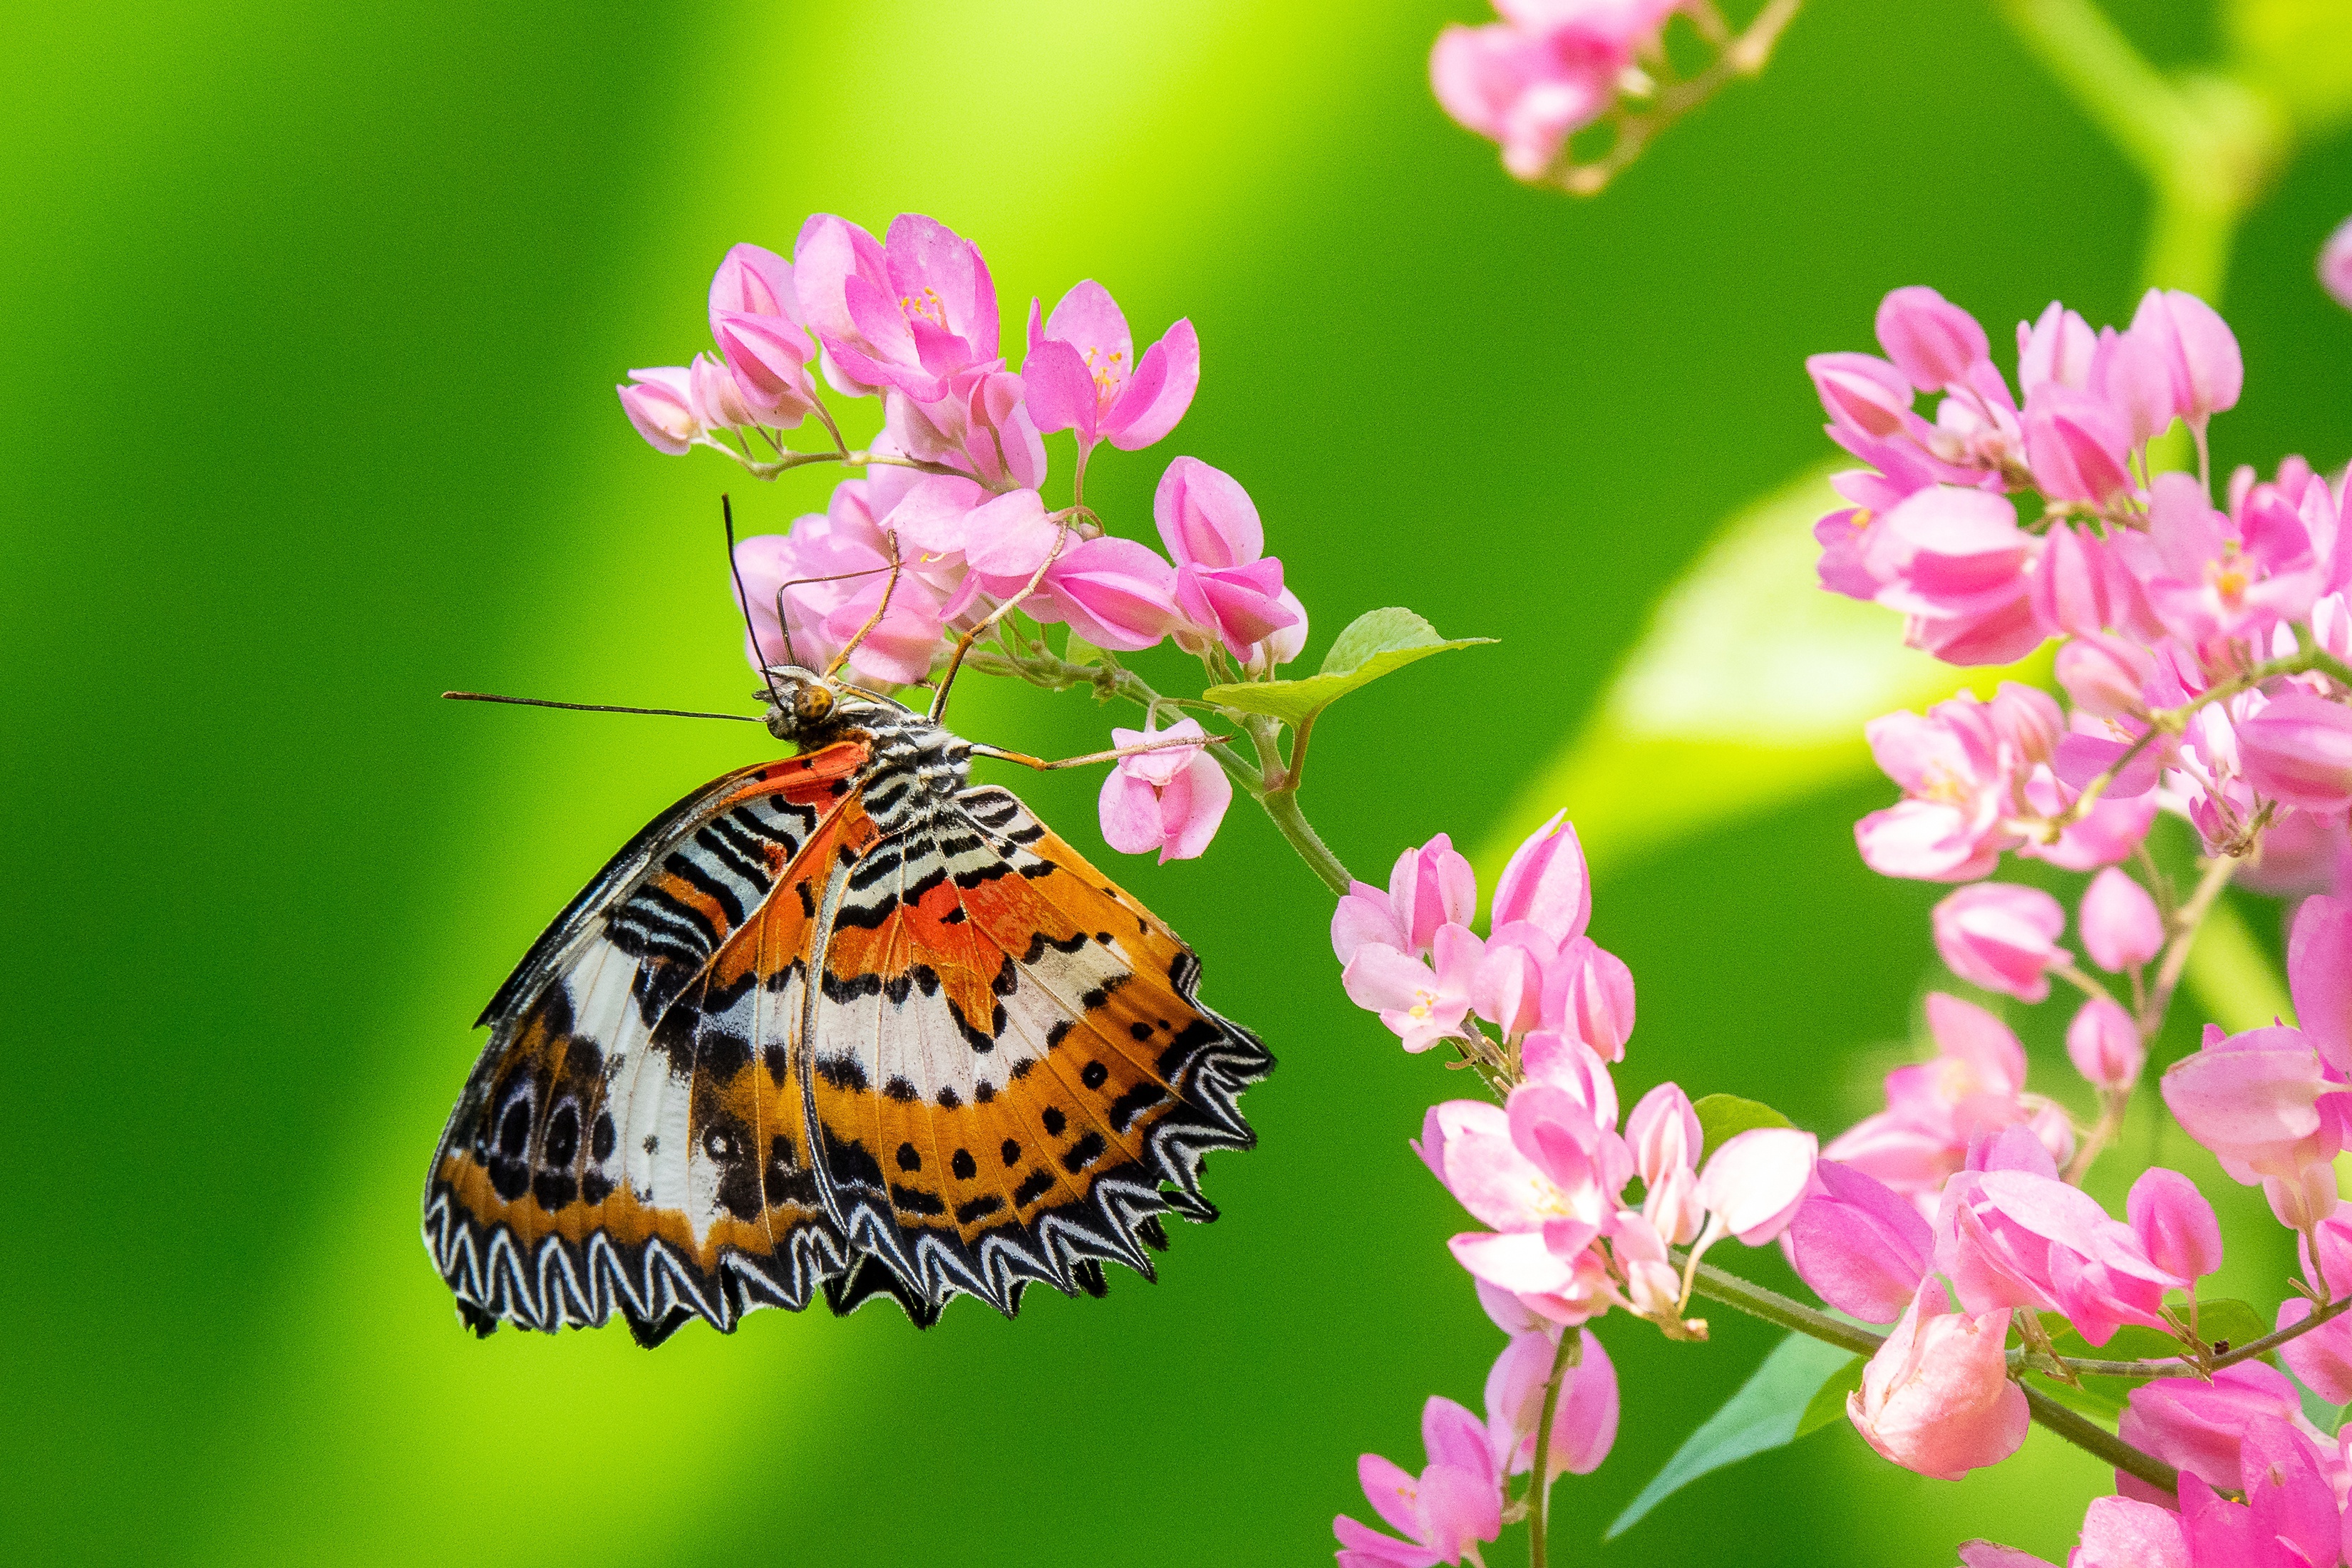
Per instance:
{"type": "Point", "coordinates": [2244, 1431]}
{"type": "Point", "coordinates": [949, 524]}
{"type": "Point", "coordinates": [1457, 1500]}
{"type": "Point", "coordinates": [1545, 70]}
{"type": "Point", "coordinates": [2177, 614]}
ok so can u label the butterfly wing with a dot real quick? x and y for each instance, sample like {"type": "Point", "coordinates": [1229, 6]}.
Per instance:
{"type": "Point", "coordinates": [616, 1146]}
{"type": "Point", "coordinates": [1008, 1077]}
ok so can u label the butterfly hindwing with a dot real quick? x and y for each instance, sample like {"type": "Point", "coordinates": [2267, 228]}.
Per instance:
{"type": "Point", "coordinates": [592, 1162]}
{"type": "Point", "coordinates": [1009, 1075]}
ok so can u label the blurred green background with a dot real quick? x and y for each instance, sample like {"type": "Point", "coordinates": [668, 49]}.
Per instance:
{"type": "Point", "coordinates": [314, 314]}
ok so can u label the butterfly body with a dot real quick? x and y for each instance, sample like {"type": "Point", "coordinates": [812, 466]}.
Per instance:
{"type": "Point", "coordinates": [840, 1025]}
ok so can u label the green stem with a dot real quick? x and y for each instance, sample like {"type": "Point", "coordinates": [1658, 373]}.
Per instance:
{"type": "Point", "coordinates": [1757, 1301]}
{"type": "Point", "coordinates": [1281, 806]}
{"type": "Point", "coordinates": [1572, 1346]}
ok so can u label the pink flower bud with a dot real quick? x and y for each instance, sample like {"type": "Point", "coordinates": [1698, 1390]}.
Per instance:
{"type": "Point", "coordinates": [1432, 887]}
{"type": "Point", "coordinates": [2319, 977]}
{"type": "Point", "coordinates": [1861, 1246]}
{"type": "Point", "coordinates": [1589, 995]}
{"type": "Point", "coordinates": [1665, 1133]}
{"type": "Point", "coordinates": [2336, 263]}
{"type": "Point", "coordinates": [1754, 1184]}
{"type": "Point", "coordinates": [2057, 347]}
{"type": "Point", "coordinates": [2075, 445]}
{"type": "Point", "coordinates": [769, 355]}
{"type": "Point", "coordinates": [2254, 1100]}
{"type": "Point", "coordinates": [2081, 584]}
{"type": "Point", "coordinates": [2322, 1358]}
{"type": "Point", "coordinates": [2304, 1198]}
{"type": "Point", "coordinates": [2120, 925]}
{"type": "Point", "coordinates": [1545, 883]}
{"type": "Point", "coordinates": [2104, 1046]}
{"type": "Point", "coordinates": [1509, 990]}
{"type": "Point", "coordinates": [1931, 341]}
{"type": "Point", "coordinates": [2125, 1533]}
{"type": "Point", "coordinates": [1365, 915]}
{"type": "Point", "coordinates": [1115, 592]}
{"type": "Point", "coordinates": [717, 401]}
{"type": "Point", "coordinates": [1862, 393]}
{"type": "Point", "coordinates": [1673, 1208]}
{"type": "Point", "coordinates": [660, 404]}
{"type": "Point", "coordinates": [2001, 937]}
{"type": "Point", "coordinates": [1937, 1397]}
{"type": "Point", "coordinates": [2105, 675]}
{"type": "Point", "coordinates": [2199, 352]}
{"type": "Point", "coordinates": [2175, 1222]}
{"type": "Point", "coordinates": [2029, 721]}
{"type": "Point", "coordinates": [754, 281]}
{"type": "Point", "coordinates": [2131, 373]}
{"type": "Point", "coordinates": [2298, 750]}
{"type": "Point", "coordinates": [1584, 1423]}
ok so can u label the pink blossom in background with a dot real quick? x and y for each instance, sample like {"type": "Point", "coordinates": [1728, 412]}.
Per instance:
{"type": "Point", "coordinates": [1227, 589]}
{"type": "Point", "coordinates": [660, 403]}
{"type": "Point", "coordinates": [2104, 1043]}
{"type": "Point", "coordinates": [2212, 575]}
{"type": "Point", "coordinates": [2200, 1426]}
{"type": "Point", "coordinates": [1169, 800]}
{"type": "Point", "coordinates": [2078, 445]}
{"type": "Point", "coordinates": [2125, 1533]}
{"type": "Point", "coordinates": [2023, 1238]}
{"type": "Point", "coordinates": [1958, 565]}
{"type": "Point", "coordinates": [1082, 372]}
{"type": "Point", "coordinates": [2336, 263]}
{"type": "Point", "coordinates": [1455, 1502]}
{"type": "Point", "coordinates": [2121, 926]}
{"type": "Point", "coordinates": [1936, 1109]}
{"type": "Point", "coordinates": [2199, 351]}
{"type": "Point", "coordinates": [1584, 1423]}
{"type": "Point", "coordinates": [1861, 1246]}
{"type": "Point", "coordinates": [1589, 995]}
{"type": "Point", "coordinates": [2321, 1359]}
{"type": "Point", "coordinates": [2175, 1223]}
{"type": "Point", "coordinates": [1960, 777]}
{"type": "Point", "coordinates": [2002, 937]}
{"type": "Point", "coordinates": [1548, 68]}
{"type": "Point", "coordinates": [1936, 1398]}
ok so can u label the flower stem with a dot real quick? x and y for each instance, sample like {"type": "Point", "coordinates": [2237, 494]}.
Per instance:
{"type": "Point", "coordinates": [1281, 806]}
{"type": "Point", "coordinates": [1757, 1301]}
{"type": "Point", "coordinates": [1571, 1348]}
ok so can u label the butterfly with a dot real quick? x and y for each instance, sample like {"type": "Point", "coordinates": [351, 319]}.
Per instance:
{"type": "Point", "coordinates": [843, 1025]}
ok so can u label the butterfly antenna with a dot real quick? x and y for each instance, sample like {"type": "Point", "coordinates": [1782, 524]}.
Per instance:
{"type": "Point", "coordinates": [889, 587]}
{"type": "Point", "coordinates": [594, 707]}
{"type": "Point", "coordinates": [743, 602]}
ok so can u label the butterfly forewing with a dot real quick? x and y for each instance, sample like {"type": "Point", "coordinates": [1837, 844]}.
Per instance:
{"type": "Point", "coordinates": [833, 1023]}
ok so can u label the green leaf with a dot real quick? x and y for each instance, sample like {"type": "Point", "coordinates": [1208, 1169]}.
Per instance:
{"type": "Point", "coordinates": [1767, 1412]}
{"type": "Point", "coordinates": [1722, 1116]}
{"type": "Point", "coordinates": [2231, 1323]}
{"type": "Point", "coordinates": [2298, 53]}
{"type": "Point", "coordinates": [1376, 643]}
{"type": "Point", "coordinates": [1078, 650]}
{"type": "Point", "coordinates": [1829, 1404]}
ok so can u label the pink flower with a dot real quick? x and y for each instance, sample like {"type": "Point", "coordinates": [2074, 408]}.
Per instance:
{"type": "Point", "coordinates": [2175, 1223]}
{"type": "Point", "coordinates": [660, 404]}
{"type": "Point", "coordinates": [2199, 351]}
{"type": "Point", "coordinates": [2125, 1533]}
{"type": "Point", "coordinates": [2121, 926]}
{"type": "Point", "coordinates": [1865, 395]}
{"type": "Point", "coordinates": [1169, 800]}
{"type": "Point", "coordinates": [2077, 445]}
{"type": "Point", "coordinates": [2022, 1238]}
{"type": "Point", "coordinates": [1549, 68]}
{"type": "Point", "coordinates": [2057, 347]}
{"type": "Point", "coordinates": [1432, 887]}
{"type": "Point", "coordinates": [1753, 1185]}
{"type": "Point", "coordinates": [2202, 1426]}
{"type": "Point", "coordinates": [1932, 341]}
{"type": "Point", "coordinates": [908, 314]}
{"type": "Point", "coordinates": [1227, 589]}
{"type": "Point", "coordinates": [1082, 372]}
{"type": "Point", "coordinates": [2082, 585]}
{"type": "Point", "coordinates": [2104, 1043]}
{"type": "Point", "coordinates": [2209, 578]}
{"type": "Point", "coordinates": [2322, 1358]}
{"type": "Point", "coordinates": [2002, 937]}
{"type": "Point", "coordinates": [829, 575]}
{"type": "Point", "coordinates": [1861, 1247]}
{"type": "Point", "coordinates": [1545, 1171]}
{"type": "Point", "coordinates": [1961, 769]}
{"type": "Point", "coordinates": [2297, 749]}
{"type": "Point", "coordinates": [1421, 1005]}
{"type": "Point", "coordinates": [1583, 1424]}
{"type": "Point", "coordinates": [1457, 1498]}
{"type": "Point", "coordinates": [1545, 883]}
{"type": "Point", "coordinates": [1663, 1134]}
{"type": "Point", "coordinates": [1956, 562]}
{"type": "Point", "coordinates": [1115, 592]}
{"type": "Point", "coordinates": [1937, 1109]}
{"type": "Point", "coordinates": [1589, 995]}
{"type": "Point", "coordinates": [2319, 977]}
{"type": "Point", "coordinates": [2336, 263]}
{"type": "Point", "coordinates": [2259, 1100]}
{"type": "Point", "coordinates": [1936, 1398]}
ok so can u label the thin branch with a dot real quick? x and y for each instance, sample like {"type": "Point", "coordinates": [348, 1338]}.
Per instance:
{"type": "Point", "coordinates": [1571, 1348]}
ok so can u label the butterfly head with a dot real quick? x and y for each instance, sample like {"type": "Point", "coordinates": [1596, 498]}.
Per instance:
{"type": "Point", "coordinates": [809, 708]}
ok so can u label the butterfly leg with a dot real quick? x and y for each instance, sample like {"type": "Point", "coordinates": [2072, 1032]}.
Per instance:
{"type": "Point", "coordinates": [1110, 756]}
{"type": "Point", "coordinates": [874, 619]}
{"type": "Point", "coordinates": [963, 643]}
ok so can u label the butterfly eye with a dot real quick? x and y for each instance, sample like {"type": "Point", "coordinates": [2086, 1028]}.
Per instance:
{"type": "Point", "coordinates": [811, 703]}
